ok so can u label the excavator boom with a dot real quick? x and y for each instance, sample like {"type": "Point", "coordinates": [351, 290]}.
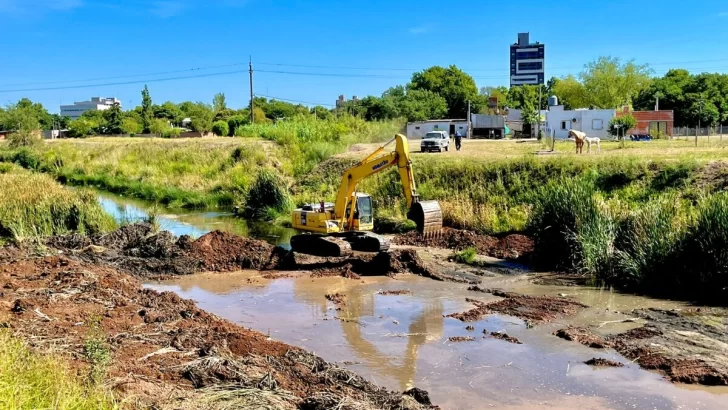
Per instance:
{"type": "Point", "coordinates": [351, 213]}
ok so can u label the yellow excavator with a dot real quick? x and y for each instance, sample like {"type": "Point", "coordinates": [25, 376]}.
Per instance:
{"type": "Point", "coordinates": [335, 229]}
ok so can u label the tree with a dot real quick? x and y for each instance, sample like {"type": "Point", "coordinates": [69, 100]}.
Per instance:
{"type": "Point", "coordinates": [571, 93]}
{"type": "Point", "coordinates": [23, 120]}
{"type": "Point", "coordinates": [704, 113]}
{"type": "Point", "coordinates": [611, 84]}
{"type": "Point", "coordinates": [619, 126]}
{"type": "Point", "coordinates": [131, 126]}
{"type": "Point", "coordinates": [169, 111]}
{"type": "Point", "coordinates": [321, 112]}
{"type": "Point", "coordinates": [220, 128]}
{"type": "Point", "coordinates": [38, 111]}
{"type": "Point", "coordinates": [218, 102]}
{"type": "Point", "coordinates": [147, 112]}
{"type": "Point", "coordinates": [159, 127]}
{"type": "Point", "coordinates": [421, 105]}
{"type": "Point", "coordinates": [114, 117]}
{"type": "Point", "coordinates": [236, 121]}
{"type": "Point", "coordinates": [202, 116]}
{"type": "Point", "coordinates": [501, 93]}
{"type": "Point", "coordinates": [259, 116]}
{"type": "Point", "coordinates": [97, 119]}
{"type": "Point", "coordinates": [81, 127]}
{"type": "Point", "coordinates": [59, 122]}
{"type": "Point", "coordinates": [454, 85]}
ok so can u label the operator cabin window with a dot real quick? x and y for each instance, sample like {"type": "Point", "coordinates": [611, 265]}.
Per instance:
{"type": "Point", "coordinates": [597, 124]}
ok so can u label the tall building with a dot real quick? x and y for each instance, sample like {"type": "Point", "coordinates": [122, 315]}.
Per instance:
{"type": "Point", "coordinates": [527, 61]}
{"type": "Point", "coordinates": [97, 104]}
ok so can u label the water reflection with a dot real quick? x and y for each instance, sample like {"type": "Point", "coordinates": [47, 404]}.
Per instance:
{"type": "Point", "coordinates": [193, 223]}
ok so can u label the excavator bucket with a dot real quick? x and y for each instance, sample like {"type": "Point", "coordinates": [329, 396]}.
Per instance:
{"type": "Point", "coordinates": [427, 215]}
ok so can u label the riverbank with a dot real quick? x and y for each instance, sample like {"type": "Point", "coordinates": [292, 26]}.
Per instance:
{"type": "Point", "coordinates": [156, 349]}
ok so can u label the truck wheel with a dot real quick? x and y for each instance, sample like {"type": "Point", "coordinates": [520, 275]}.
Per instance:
{"type": "Point", "coordinates": [447, 148]}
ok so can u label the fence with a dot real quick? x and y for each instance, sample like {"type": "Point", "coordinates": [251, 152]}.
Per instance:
{"type": "Point", "coordinates": [718, 130]}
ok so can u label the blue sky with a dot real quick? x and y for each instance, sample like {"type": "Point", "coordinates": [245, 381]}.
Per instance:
{"type": "Point", "coordinates": [360, 47]}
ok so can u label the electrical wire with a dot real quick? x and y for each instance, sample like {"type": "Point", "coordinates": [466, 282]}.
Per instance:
{"type": "Point", "coordinates": [292, 101]}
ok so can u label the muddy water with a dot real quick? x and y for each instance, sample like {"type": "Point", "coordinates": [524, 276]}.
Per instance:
{"type": "Point", "coordinates": [401, 341]}
{"type": "Point", "coordinates": [193, 223]}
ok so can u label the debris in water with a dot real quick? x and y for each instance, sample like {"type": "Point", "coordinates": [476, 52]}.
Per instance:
{"type": "Point", "coordinates": [457, 339]}
{"type": "Point", "coordinates": [504, 336]}
{"type": "Point", "coordinates": [393, 292]}
{"type": "Point", "coordinates": [470, 329]}
{"type": "Point", "coordinates": [601, 362]}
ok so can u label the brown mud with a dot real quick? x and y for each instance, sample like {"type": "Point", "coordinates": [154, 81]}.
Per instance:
{"type": "Point", "coordinates": [687, 346]}
{"type": "Point", "coordinates": [513, 247]}
{"type": "Point", "coordinates": [163, 348]}
{"type": "Point", "coordinates": [458, 339]}
{"type": "Point", "coordinates": [504, 336]}
{"type": "Point", "coordinates": [393, 292]}
{"type": "Point", "coordinates": [601, 362]}
{"type": "Point", "coordinates": [532, 309]}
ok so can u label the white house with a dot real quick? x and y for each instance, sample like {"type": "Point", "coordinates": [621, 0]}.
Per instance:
{"type": "Point", "coordinates": [418, 129]}
{"type": "Point", "coordinates": [595, 123]}
{"type": "Point", "coordinates": [96, 104]}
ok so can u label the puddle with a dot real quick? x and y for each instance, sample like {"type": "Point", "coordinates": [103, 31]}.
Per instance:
{"type": "Point", "coordinates": [194, 223]}
{"type": "Point", "coordinates": [401, 341]}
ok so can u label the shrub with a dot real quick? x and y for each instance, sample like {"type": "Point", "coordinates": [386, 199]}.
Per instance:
{"type": "Point", "coordinates": [172, 133]}
{"type": "Point", "coordinates": [220, 128]}
{"type": "Point", "coordinates": [24, 139]}
{"type": "Point", "coordinates": [236, 121]}
{"type": "Point", "coordinates": [267, 197]}
{"type": "Point", "coordinates": [626, 123]}
{"type": "Point", "coordinates": [569, 230]}
{"type": "Point", "coordinates": [466, 256]}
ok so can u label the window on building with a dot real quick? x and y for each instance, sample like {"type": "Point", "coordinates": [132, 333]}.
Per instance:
{"type": "Point", "coordinates": [565, 125]}
{"type": "Point", "coordinates": [417, 128]}
{"type": "Point", "coordinates": [597, 124]}
{"type": "Point", "coordinates": [527, 54]}
{"type": "Point", "coordinates": [530, 66]}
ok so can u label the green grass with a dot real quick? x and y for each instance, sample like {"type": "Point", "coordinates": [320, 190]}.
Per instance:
{"type": "Point", "coordinates": [34, 205]}
{"type": "Point", "coordinates": [466, 256]}
{"type": "Point", "coordinates": [30, 381]}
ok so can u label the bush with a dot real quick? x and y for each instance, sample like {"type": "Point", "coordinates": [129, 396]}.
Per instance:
{"type": "Point", "coordinates": [466, 256]}
{"type": "Point", "coordinates": [626, 123]}
{"type": "Point", "coordinates": [24, 139]}
{"type": "Point", "coordinates": [268, 197]}
{"type": "Point", "coordinates": [220, 128]}
{"type": "Point", "coordinates": [236, 121]}
{"type": "Point", "coordinates": [172, 133]}
{"type": "Point", "coordinates": [569, 230]}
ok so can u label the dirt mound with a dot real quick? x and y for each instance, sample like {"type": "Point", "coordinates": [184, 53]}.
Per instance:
{"type": "Point", "coordinates": [509, 247]}
{"type": "Point", "coordinates": [600, 362]}
{"type": "Point", "coordinates": [223, 252]}
{"type": "Point", "coordinates": [713, 176]}
{"type": "Point", "coordinates": [128, 236]}
{"type": "Point", "coordinates": [504, 336]}
{"type": "Point", "coordinates": [159, 342]}
{"type": "Point", "coordinates": [683, 356]}
{"type": "Point", "coordinates": [533, 309]}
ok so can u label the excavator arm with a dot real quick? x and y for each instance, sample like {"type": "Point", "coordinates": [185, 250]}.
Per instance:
{"type": "Point", "coordinates": [426, 214]}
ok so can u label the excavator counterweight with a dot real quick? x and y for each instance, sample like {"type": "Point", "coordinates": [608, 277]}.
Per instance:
{"type": "Point", "coordinates": [350, 219]}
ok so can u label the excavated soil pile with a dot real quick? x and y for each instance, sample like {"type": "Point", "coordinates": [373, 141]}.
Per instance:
{"type": "Point", "coordinates": [509, 247]}
{"type": "Point", "coordinates": [223, 252]}
{"type": "Point", "coordinates": [163, 348]}
{"type": "Point", "coordinates": [533, 309]}
{"type": "Point", "coordinates": [600, 362]}
{"type": "Point", "coordinates": [688, 346]}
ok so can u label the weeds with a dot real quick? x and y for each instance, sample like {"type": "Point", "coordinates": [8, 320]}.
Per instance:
{"type": "Point", "coordinates": [30, 380]}
{"type": "Point", "coordinates": [466, 256]}
{"type": "Point", "coordinates": [96, 351]}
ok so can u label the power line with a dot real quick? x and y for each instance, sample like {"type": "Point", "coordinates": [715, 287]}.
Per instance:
{"type": "Point", "coordinates": [125, 76]}
{"type": "Point", "coordinates": [332, 74]}
{"type": "Point", "coordinates": [124, 82]}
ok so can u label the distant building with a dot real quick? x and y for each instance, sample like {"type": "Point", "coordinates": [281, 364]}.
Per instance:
{"type": "Point", "coordinates": [341, 102]}
{"type": "Point", "coordinates": [418, 129]}
{"type": "Point", "coordinates": [595, 123]}
{"type": "Point", "coordinates": [96, 104]}
{"type": "Point", "coordinates": [655, 123]}
{"type": "Point", "coordinates": [527, 61]}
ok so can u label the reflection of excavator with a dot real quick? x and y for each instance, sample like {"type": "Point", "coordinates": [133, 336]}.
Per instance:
{"type": "Point", "coordinates": [345, 225]}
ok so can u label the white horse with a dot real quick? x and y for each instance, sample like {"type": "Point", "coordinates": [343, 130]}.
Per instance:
{"type": "Point", "coordinates": [590, 141]}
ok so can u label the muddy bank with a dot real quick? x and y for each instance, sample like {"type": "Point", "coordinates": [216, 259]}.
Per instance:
{"type": "Point", "coordinates": [143, 252]}
{"type": "Point", "coordinates": [532, 309]}
{"type": "Point", "coordinates": [601, 362]}
{"type": "Point", "coordinates": [503, 336]}
{"type": "Point", "coordinates": [164, 351]}
{"type": "Point", "coordinates": [514, 246]}
{"type": "Point", "coordinates": [687, 346]}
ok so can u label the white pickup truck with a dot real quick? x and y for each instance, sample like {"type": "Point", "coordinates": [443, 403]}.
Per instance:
{"type": "Point", "coordinates": [435, 141]}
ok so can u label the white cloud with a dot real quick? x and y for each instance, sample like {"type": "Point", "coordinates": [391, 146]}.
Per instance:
{"type": "Point", "coordinates": [168, 8]}
{"type": "Point", "coordinates": [25, 6]}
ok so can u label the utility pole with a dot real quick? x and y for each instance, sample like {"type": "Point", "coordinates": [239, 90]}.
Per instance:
{"type": "Point", "coordinates": [252, 115]}
{"type": "Point", "coordinates": [700, 113]}
{"type": "Point", "coordinates": [467, 135]}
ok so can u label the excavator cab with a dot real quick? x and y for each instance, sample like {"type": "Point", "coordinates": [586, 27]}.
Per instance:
{"type": "Point", "coordinates": [363, 213]}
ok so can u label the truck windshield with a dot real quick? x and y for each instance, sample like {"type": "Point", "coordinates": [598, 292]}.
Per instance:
{"type": "Point", "coordinates": [432, 135]}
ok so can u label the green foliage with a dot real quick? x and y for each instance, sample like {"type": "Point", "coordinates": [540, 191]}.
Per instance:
{"type": "Point", "coordinates": [82, 127]}
{"type": "Point", "coordinates": [682, 92]}
{"type": "Point", "coordinates": [466, 256]}
{"type": "Point", "coordinates": [236, 121]}
{"type": "Point", "coordinates": [23, 119]}
{"type": "Point", "coordinates": [625, 123]}
{"type": "Point", "coordinates": [25, 108]}
{"type": "Point", "coordinates": [131, 126]}
{"type": "Point", "coordinates": [454, 85]}
{"type": "Point", "coordinates": [168, 111]}
{"type": "Point", "coordinates": [220, 128]}
{"type": "Point", "coordinates": [172, 133]}
{"type": "Point", "coordinates": [31, 380]}
{"type": "Point", "coordinates": [219, 103]}
{"type": "Point", "coordinates": [268, 197]}
{"type": "Point", "coordinates": [147, 111]}
{"type": "Point", "coordinates": [201, 116]}
{"type": "Point", "coordinates": [159, 127]}
{"type": "Point", "coordinates": [114, 119]}
{"type": "Point", "coordinates": [34, 205]}
{"type": "Point", "coordinates": [97, 353]}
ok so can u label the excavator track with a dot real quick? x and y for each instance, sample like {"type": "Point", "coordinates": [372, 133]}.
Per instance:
{"type": "Point", "coordinates": [427, 215]}
{"type": "Point", "coordinates": [365, 241]}
{"type": "Point", "coordinates": [320, 245]}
